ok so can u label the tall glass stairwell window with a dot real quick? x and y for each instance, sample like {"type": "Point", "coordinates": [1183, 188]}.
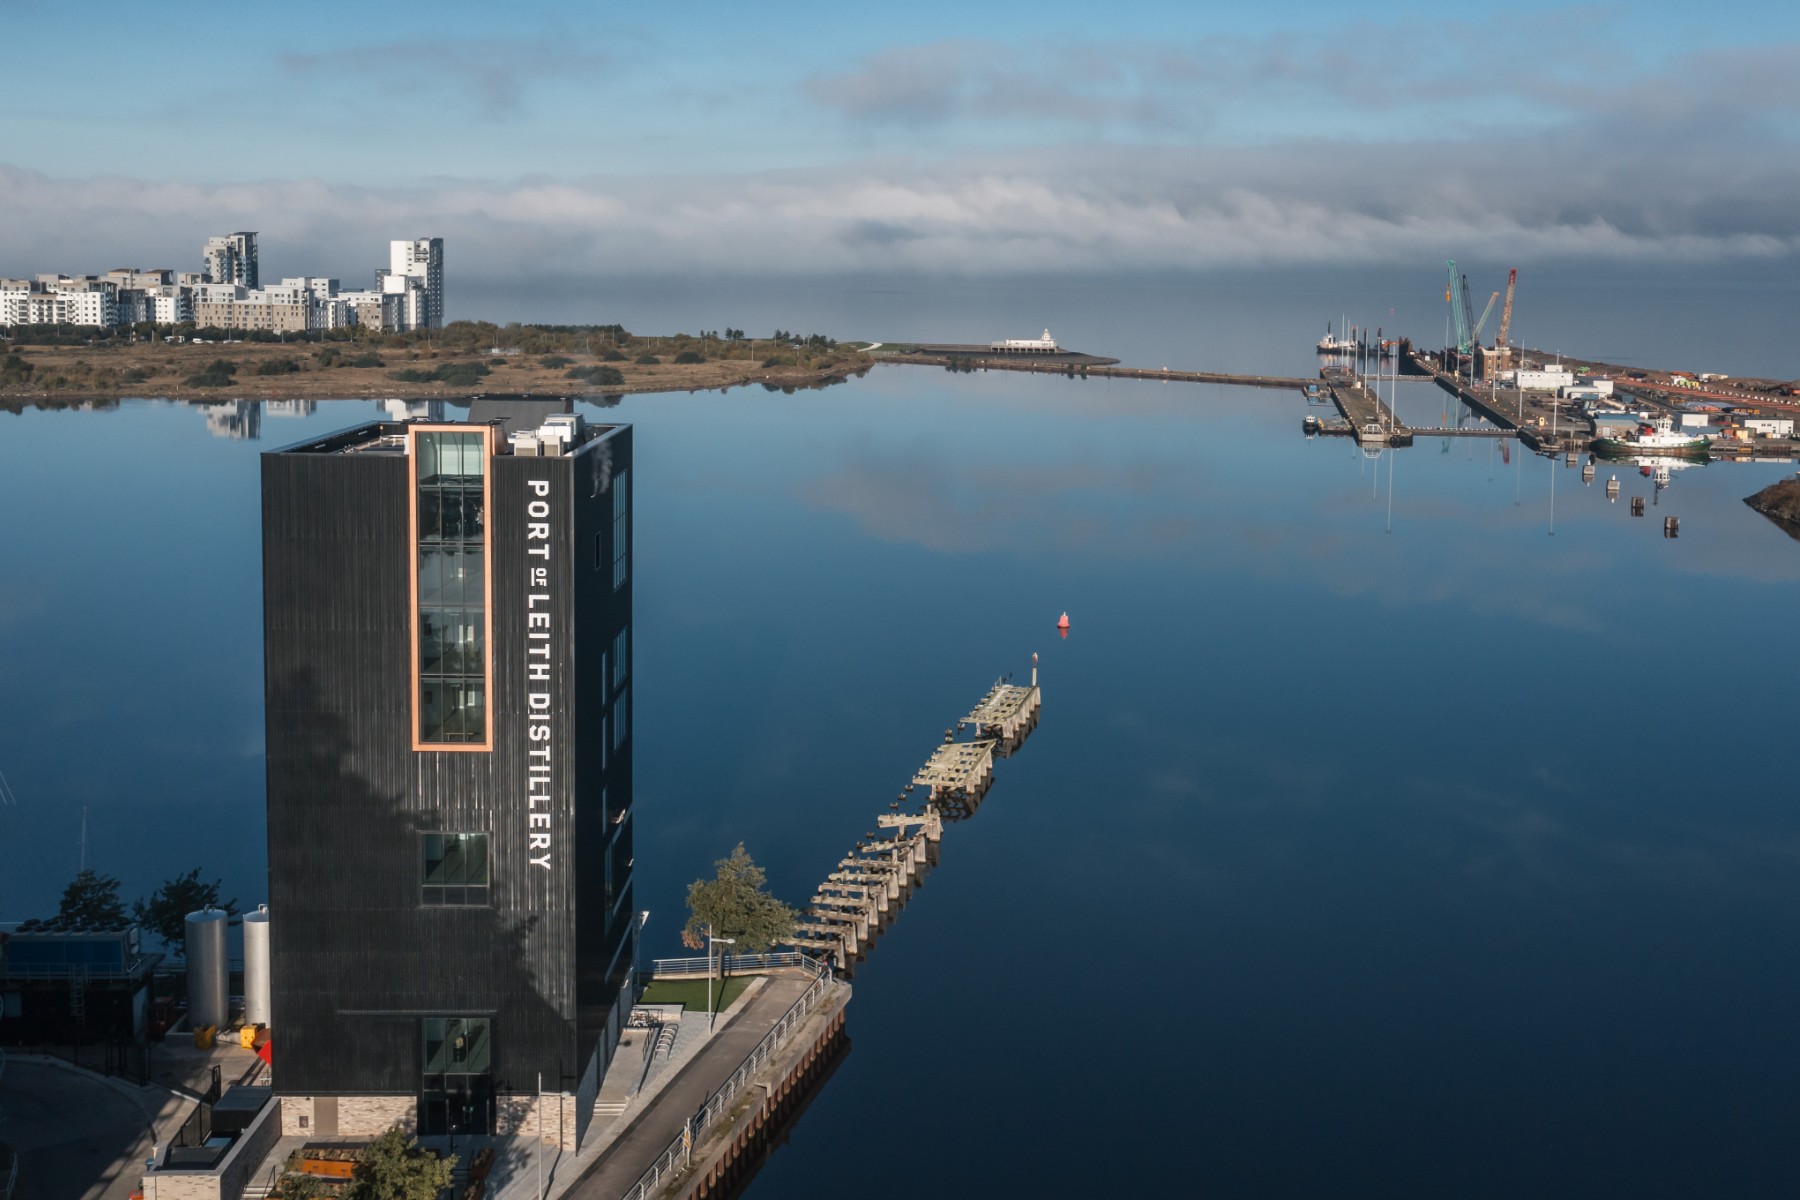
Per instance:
{"type": "Point", "coordinates": [451, 624]}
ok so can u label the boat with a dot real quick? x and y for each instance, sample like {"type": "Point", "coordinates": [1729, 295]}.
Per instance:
{"type": "Point", "coordinates": [1657, 436]}
{"type": "Point", "coordinates": [1333, 344]}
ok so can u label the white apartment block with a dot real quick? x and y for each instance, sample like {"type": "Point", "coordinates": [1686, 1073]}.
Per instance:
{"type": "Point", "coordinates": [421, 259]}
{"type": "Point", "coordinates": [64, 302]}
{"type": "Point", "coordinates": [408, 294]}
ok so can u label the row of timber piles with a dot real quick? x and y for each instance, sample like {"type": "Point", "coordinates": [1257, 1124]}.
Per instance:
{"type": "Point", "coordinates": [872, 883]}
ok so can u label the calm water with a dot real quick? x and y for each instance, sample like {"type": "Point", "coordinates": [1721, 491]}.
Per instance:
{"type": "Point", "coordinates": [1369, 845]}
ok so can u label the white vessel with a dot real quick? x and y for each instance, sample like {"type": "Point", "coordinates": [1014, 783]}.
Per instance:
{"type": "Point", "coordinates": [1333, 344]}
{"type": "Point", "coordinates": [1656, 436]}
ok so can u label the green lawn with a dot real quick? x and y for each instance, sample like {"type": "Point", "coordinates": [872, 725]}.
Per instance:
{"type": "Point", "coordinates": [691, 993]}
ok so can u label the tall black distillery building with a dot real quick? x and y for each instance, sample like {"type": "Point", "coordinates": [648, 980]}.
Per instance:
{"type": "Point", "coordinates": [448, 659]}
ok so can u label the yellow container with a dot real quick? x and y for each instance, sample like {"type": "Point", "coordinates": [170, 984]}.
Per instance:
{"type": "Point", "coordinates": [247, 1037]}
{"type": "Point", "coordinates": [203, 1037]}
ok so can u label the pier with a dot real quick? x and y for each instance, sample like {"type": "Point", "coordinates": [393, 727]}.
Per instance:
{"type": "Point", "coordinates": [861, 897]}
{"type": "Point", "coordinates": [1540, 420]}
{"type": "Point", "coordinates": [1366, 416]}
{"type": "Point", "coordinates": [1088, 366]}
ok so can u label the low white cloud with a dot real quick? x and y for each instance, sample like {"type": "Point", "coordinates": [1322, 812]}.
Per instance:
{"type": "Point", "coordinates": [1073, 209]}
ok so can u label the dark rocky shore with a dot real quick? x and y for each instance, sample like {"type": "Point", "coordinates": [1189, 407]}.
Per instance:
{"type": "Point", "coordinates": [1780, 502]}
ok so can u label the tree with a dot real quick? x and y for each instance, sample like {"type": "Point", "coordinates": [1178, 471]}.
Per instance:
{"type": "Point", "coordinates": [734, 904]}
{"type": "Point", "coordinates": [165, 911]}
{"type": "Point", "coordinates": [395, 1167]}
{"type": "Point", "coordinates": [93, 900]}
{"type": "Point", "coordinates": [301, 1187]}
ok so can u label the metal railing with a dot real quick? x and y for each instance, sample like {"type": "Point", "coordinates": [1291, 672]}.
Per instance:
{"type": "Point", "coordinates": [727, 963]}
{"type": "Point", "coordinates": [680, 1150]}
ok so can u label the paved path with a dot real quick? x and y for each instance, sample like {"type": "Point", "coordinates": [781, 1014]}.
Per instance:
{"type": "Point", "coordinates": [79, 1136]}
{"type": "Point", "coordinates": [632, 1152]}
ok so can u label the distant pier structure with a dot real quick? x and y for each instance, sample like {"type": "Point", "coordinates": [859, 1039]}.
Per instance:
{"type": "Point", "coordinates": [1036, 345]}
{"type": "Point", "coordinates": [1010, 353]}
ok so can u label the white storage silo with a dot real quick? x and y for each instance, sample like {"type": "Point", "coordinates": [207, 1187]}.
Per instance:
{"type": "Point", "coordinates": [256, 966]}
{"type": "Point", "coordinates": [207, 968]}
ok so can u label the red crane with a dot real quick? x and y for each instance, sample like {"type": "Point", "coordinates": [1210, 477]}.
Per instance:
{"type": "Point", "coordinates": [1512, 279]}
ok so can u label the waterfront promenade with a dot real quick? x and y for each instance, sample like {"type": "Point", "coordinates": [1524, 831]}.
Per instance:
{"type": "Point", "coordinates": [741, 1097]}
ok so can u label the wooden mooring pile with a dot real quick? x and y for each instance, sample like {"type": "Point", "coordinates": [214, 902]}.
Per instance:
{"type": "Point", "coordinates": [871, 884]}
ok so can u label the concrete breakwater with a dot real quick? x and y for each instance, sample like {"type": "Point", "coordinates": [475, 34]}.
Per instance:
{"type": "Point", "coordinates": [1085, 366]}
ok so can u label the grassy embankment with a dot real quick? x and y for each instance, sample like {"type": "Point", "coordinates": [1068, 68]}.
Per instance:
{"type": "Point", "coordinates": [457, 360]}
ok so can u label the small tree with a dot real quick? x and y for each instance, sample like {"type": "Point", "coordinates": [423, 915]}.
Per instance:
{"type": "Point", "coordinates": [395, 1167]}
{"type": "Point", "coordinates": [300, 1187]}
{"type": "Point", "coordinates": [93, 899]}
{"type": "Point", "coordinates": [734, 904]}
{"type": "Point", "coordinates": [165, 911]}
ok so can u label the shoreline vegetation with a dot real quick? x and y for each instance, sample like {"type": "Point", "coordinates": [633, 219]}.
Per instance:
{"type": "Point", "coordinates": [59, 367]}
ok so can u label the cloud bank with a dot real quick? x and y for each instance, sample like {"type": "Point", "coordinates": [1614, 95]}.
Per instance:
{"type": "Point", "coordinates": [1109, 167]}
{"type": "Point", "coordinates": [1072, 209]}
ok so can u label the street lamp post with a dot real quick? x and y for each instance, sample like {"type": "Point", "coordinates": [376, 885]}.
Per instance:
{"type": "Point", "coordinates": [711, 1015]}
{"type": "Point", "coordinates": [637, 937]}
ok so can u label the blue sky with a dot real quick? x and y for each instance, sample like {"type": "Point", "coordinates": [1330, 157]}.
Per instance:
{"type": "Point", "coordinates": [929, 136]}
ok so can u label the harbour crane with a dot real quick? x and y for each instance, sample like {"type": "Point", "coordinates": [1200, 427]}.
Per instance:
{"type": "Point", "coordinates": [1485, 314]}
{"type": "Point", "coordinates": [1466, 343]}
{"type": "Point", "coordinates": [1512, 280]}
{"type": "Point", "coordinates": [1461, 316]}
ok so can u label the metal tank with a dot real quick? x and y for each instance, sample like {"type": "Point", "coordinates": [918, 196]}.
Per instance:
{"type": "Point", "coordinates": [208, 968]}
{"type": "Point", "coordinates": [256, 966]}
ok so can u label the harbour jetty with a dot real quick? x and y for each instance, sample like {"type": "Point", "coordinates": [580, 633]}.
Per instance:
{"type": "Point", "coordinates": [860, 898]}
{"type": "Point", "coordinates": [1084, 366]}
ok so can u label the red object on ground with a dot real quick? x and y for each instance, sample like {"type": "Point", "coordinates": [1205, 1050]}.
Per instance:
{"type": "Point", "coordinates": [266, 1052]}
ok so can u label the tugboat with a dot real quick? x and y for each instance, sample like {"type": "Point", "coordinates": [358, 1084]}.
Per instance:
{"type": "Point", "coordinates": [1657, 436]}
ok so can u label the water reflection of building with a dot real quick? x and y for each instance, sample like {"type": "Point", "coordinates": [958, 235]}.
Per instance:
{"type": "Point", "coordinates": [446, 617]}
{"type": "Point", "coordinates": [241, 419]}
{"type": "Point", "coordinates": [414, 410]}
{"type": "Point", "coordinates": [290, 408]}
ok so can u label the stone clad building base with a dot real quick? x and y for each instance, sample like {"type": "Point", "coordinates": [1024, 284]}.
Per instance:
{"type": "Point", "coordinates": [371, 1116]}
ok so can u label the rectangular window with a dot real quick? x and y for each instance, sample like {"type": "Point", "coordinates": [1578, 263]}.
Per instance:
{"type": "Point", "coordinates": [621, 719]}
{"type": "Point", "coordinates": [450, 584]}
{"type": "Point", "coordinates": [453, 870]}
{"type": "Point", "coordinates": [621, 526]}
{"type": "Point", "coordinates": [621, 647]}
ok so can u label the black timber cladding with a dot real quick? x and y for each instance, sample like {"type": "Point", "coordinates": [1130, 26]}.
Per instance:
{"type": "Point", "coordinates": [356, 959]}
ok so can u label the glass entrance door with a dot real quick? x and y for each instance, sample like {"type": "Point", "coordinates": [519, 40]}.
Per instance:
{"type": "Point", "coordinates": [456, 1087]}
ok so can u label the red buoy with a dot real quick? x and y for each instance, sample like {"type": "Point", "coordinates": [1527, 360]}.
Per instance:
{"type": "Point", "coordinates": [1063, 621]}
